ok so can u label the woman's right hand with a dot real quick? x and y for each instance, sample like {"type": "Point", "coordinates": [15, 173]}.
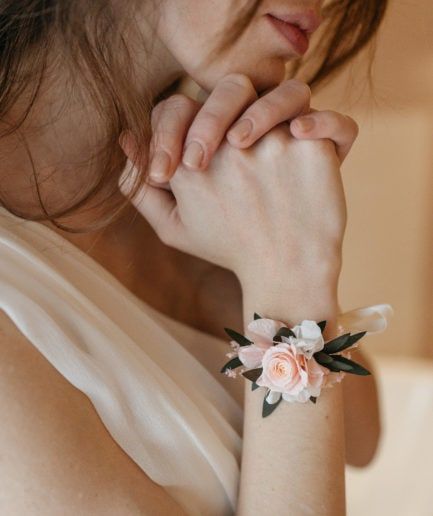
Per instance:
{"type": "Point", "coordinates": [277, 206]}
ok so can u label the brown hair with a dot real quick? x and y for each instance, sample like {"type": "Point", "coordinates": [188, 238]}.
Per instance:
{"type": "Point", "coordinates": [87, 39]}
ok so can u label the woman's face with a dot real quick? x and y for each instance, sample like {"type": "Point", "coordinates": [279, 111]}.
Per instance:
{"type": "Point", "coordinates": [190, 29]}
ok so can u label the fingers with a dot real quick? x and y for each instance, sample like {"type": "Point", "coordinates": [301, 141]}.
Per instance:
{"type": "Point", "coordinates": [341, 129]}
{"type": "Point", "coordinates": [170, 121]}
{"type": "Point", "coordinates": [286, 101]}
{"type": "Point", "coordinates": [157, 205]}
{"type": "Point", "coordinates": [223, 106]}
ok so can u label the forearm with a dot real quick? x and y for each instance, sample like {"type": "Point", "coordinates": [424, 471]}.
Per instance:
{"type": "Point", "coordinates": [293, 460]}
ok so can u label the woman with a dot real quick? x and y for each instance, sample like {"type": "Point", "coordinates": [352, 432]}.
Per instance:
{"type": "Point", "coordinates": [112, 345]}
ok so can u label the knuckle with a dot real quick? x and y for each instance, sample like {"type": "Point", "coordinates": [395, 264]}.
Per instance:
{"type": "Point", "coordinates": [332, 121]}
{"type": "Point", "coordinates": [208, 124]}
{"type": "Point", "coordinates": [277, 138]}
{"type": "Point", "coordinates": [323, 147]}
{"type": "Point", "coordinates": [238, 79]}
{"type": "Point", "coordinates": [354, 125]}
{"type": "Point", "coordinates": [262, 111]}
{"type": "Point", "coordinates": [300, 87]}
{"type": "Point", "coordinates": [209, 117]}
{"type": "Point", "coordinates": [178, 100]}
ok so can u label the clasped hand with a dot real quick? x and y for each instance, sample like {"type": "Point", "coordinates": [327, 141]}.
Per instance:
{"type": "Point", "coordinates": [185, 200]}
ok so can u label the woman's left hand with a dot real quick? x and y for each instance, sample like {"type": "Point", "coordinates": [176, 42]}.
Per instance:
{"type": "Point", "coordinates": [178, 120]}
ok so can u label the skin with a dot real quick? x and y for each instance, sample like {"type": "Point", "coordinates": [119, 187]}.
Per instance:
{"type": "Point", "coordinates": [255, 66]}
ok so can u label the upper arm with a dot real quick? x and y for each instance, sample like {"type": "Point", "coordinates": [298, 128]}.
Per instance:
{"type": "Point", "coordinates": [56, 455]}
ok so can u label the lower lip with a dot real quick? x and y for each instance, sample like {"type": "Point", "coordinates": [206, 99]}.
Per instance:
{"type": "Point", "coordinates": [293, 34]}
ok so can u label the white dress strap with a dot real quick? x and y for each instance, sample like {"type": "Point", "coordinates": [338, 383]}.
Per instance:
{"type": "Point", "coordinates": [164, 408]}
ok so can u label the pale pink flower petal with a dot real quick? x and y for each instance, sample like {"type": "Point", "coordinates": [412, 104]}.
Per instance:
{"type": "Point", "coordinates": [262, 331]}
{"type": "Point", "coordinates": [251, 356]}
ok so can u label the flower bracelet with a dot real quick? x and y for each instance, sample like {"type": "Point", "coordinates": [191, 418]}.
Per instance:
{"type": "Point", "coordinates": [295, 363]}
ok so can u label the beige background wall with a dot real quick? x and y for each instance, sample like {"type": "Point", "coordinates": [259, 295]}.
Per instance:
{"type": "Point", "coordinates": [388, 179]}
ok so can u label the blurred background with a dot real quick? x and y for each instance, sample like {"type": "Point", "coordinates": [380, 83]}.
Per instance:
{"type": "Point", "coordinates": [388, 179]}
{"type": "Point", "coordinates": [388, 253]}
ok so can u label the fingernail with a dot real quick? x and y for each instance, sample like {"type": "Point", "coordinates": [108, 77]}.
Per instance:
{"type": "Point", "coordinates": [159, 166]}
{"type": "Point", "coordinates": [193, 155]}
{"type": "Point", "coordinates": [305, 123]}
{"type": "Point", "coordinates": [241, 130]}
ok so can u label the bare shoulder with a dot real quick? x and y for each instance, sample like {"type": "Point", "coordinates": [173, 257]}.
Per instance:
{"type": "Point", "coordinates": [56, 455]}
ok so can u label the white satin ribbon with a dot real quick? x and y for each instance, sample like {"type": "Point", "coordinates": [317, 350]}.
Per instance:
{"type": "Point", "coordinates": [372, 319]}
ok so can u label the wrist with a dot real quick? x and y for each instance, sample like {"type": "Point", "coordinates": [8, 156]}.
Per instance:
{"type": "Point", "coordinates": [291, 299]}
{"type": "Point", "coordinates": [317, 271]}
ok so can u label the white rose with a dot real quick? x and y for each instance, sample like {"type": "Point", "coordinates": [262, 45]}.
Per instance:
{"type": "Point", "coordinates": [309, 338]}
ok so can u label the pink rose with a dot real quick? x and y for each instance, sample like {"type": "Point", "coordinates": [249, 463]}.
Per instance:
{"type": "Point", "coordinates": [287, 371]}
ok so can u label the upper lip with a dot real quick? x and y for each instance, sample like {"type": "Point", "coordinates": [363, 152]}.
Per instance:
{"type": "Point", "coordinates": [307, 21]}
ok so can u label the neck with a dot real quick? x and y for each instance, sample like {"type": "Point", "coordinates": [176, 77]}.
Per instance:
{"type": "Point", "coordinates": [128, 248]}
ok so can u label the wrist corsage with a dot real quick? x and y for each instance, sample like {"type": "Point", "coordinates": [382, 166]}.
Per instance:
{"type": "Point", "coordinates": [295, 363]}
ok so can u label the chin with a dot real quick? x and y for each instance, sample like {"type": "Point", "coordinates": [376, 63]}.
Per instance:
{"type": "Point", "coordinates": [264, 75]}
{"type": "Point", "coordinates": [266, 79]}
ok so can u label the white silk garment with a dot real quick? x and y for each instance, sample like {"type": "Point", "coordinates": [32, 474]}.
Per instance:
{"type": "Point", "coordinates": [138, 367]}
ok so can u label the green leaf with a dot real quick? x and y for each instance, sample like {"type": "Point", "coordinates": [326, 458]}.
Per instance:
{"type": "Point", "coordinates": [231, 364]}
{"type": "Point", "coordinates": [284, 332]}
{"type": "Point", "coordinates": [352, 339]}
{"type": "Point", "coordinates": [322, 325]}
{"type": "Point", "coordinates": [332, 366]}
{"type": "Point", "coordinates": [336, 362]}
{"type": "Point", "coordinates": [253, 374]}
{"type": "Point", "coordinates": [240, 339]}
{"type": "Point", "coordinates": [313, 399]}
{"type": "Point", "coordinates": [322, 358]}
{"type": "Point", "coordinates": [254, 386]}
{"type": "Point", "coordinates": [268, 408]}
{"type": "Point", "coordinates": [334, 345]}
{"type": "Point", "coordinates": [350, 366]}
{"type": "Point", "coordinates": [257, 316]}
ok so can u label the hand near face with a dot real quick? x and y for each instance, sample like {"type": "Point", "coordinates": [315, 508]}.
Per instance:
{"type": "Point", "coordinates": [189, 131]}
{"type": "Point", "coordinates": [268, 200]}
{"type": "Point", "coordinates": [278, 208]}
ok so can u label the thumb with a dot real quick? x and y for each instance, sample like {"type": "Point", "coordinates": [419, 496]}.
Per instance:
{"type": "Point", "coordinates": [157, 205]}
